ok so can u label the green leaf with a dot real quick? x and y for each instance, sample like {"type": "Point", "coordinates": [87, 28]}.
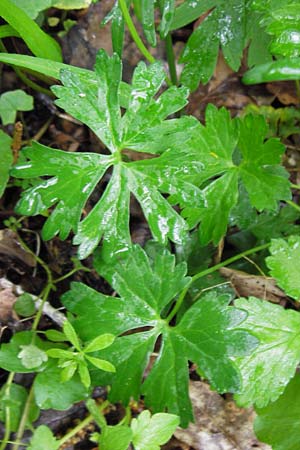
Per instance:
{"type": "Point", "coordinates": [59, 353]}
{"type": "Point", "coordinates": [71, 334]}
{"type": "Point", "coordinates": [13, 101]}
{"type": "Point", "coordinates": [31, 356]}
{"type": "Point", "coordinates": [73, 177]}
{"type": "Point", "coordinates": [15, 400]}
{"type": "Point", "coordinates": [284, 264]}
{"type": "Point", "coordinates": [84, 374]}
{"type": "Point", "coordinates": [101, 364]}
{"type": "Point", "coordinates": [71, 4]}
{"type": "Point", "coordinates": [283, 69]}
{"type": "Point", "coordinates": [32, 7]}
{"type": "Point", "coordinates": [206, 333]}
{"type": "Point", "coordinates": [40, 43]}
{"type": "Point", "coordinates": [224, 26]}
{"type": "Point", "coordinates": [6, 159]}
{"type": "Point", "coordinates": [149, 433]}
{"type": "Point", "coordinates": [115, 438]}
{"type": "Point", "coordinates": [51, 393]}
{"type": "Point", "coordinates": [269, 368]}
{"type": "Point", "coordinates": [284, 26]}
{"type": "Point", "coordinates": [43, 438]}
{"type": "Point", "coordinates": [277, 423]}
{"type": "Point", "coordinates": [167, 9]}
{"type": "Point", "coordinates": [25, 305]}
{"type": "Point", "coordinates": [9, 359]}
{"type": "Point", "coordinates": [147, 19]}
{"type": "Point", "coordinates": [231, 151]}
{"type": "Point", "coordinates": [54, 69]}
{"type": "Point", "coordinates": [56, 336]}
{"type": "Point", "coordinates": [100, 342]}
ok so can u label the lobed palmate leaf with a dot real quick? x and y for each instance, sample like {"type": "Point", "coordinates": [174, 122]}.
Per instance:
{"type": "Point", "coordinates": [208, 333]}
{"type": "Point", "coordinates": [231, 154]}
{"type": "Point", "coordinates": [71, 178]}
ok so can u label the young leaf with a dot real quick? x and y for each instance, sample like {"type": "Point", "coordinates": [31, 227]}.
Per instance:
{"type": "Point", "coordinates": [9, 353]}
{"type": "Point", "coordinates": [100, 342]}
{"type": "Point", "coordinates": [43, 438]}
{"type": "Point", "coordinates": [6, 159]}
{"type": "Point", "coordinates": [101, 364]}
{"type": "Point", "coordinates": [225, 26]}
{"type": "Point", "coordinates": [31, 356]}
{"type": "Point", "coordinates": [71, 335]}
{"type": "Point", "coordinates": [269, 368]}
{"type": "Point", "coordinates": [74, 176]}
{"type": "Point", "coordinates": [277, 423]}
{"type": "Point", "coordinates": [149, 433]}
{"type": "Point", "coordinates": [40, 43]}
{"type": "Point", "coordinates": [51, 393]}
{"type": "Point", "coordinates": [206, 333]}
{"type": "Point", "coordinates": [13, 101]}
{"type": "Point", "coordinates": [84, 374]}
{"type": "Point", "coordinates": [56, 336]}
{"type": "Point", "coordinates": [230, 151]}
{"type": "Point", "coordinates": [284, 264]}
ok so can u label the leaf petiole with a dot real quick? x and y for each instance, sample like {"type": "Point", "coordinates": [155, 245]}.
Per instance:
{"type": "Point", "coordinates": [210, 270]}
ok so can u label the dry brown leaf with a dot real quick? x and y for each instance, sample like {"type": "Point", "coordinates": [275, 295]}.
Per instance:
{"type": "Point", "coordinates": [11, 247]}
{"type": "Point", "coordinates": [219, 424]}
{"type": "Point", "coordinates": [253, 285]}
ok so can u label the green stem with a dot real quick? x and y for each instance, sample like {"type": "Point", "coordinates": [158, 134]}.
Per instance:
{"type": "Point", "coordinates": [81, 425]}
{"type": "Point", "coordinates": [69, 274]}
{"type": "Point", "coordinates": [37, 258]}
{"type": "Point", "coordinates": [23, 420]}
{"type": "Point", "coordinates": [7, 412]}
{"type": "Point", "coordinates": [294, 205]}
{"type": "Point", "coordinates": [134, 33]}
{"type": "Point", "coordinates": [171, 59]}
{"type": "Point", "coordinates": [295, 186]}
{"type": "Point", "coordinates": [210, 270]}
{"type": "Point", "coordinates": [40, 310]}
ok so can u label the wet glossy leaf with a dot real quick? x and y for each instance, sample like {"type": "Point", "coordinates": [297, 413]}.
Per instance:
{"type": "Point", "coordinates": [43, 438]}
{"type": "Point", "coordinates": [13, 101]}
{"type": "Point", "coordinates": [283, 69]}
{"type": "Point", "coordinates": [205, 334]}
{"type": "Point", "coordinates": [6, 159]}
{"type": "Point", "coordinates": [15, 400]}
{"type": "Point", "coordinates": [284, 26]}
{"type": "Point", "coordinates": [284, 265]}
{"type": "Point", "coordinates": [149, 433]}
{"type": "Point", "coordinates": [50, 392]}
{"type": "Point", "coordinates": [224, 26]}
{"type": "Point", "coordinates": [269, 368]}
{"type": "Point", "coordinates": [231, 152]}
{"type": "Point", "coordinates": [73, 177]}
{"type": "Point", "coordinates": [167, 9]}
{"type": "Point", "coordinates": [276, 424]}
